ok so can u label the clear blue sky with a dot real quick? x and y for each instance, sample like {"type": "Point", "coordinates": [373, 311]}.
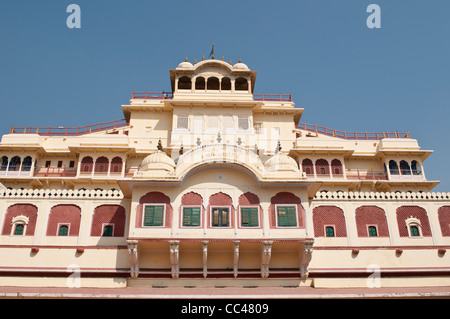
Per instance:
{"type": "Point", "coordinates": [345, 75]}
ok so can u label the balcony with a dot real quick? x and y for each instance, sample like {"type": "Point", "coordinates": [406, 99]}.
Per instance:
{"type": "Point", "coordinates": [55, 172]}
{"type": "Point", "coordinates": [169, 95]}
{"type": "Point", "coordinates": [366, 175]}
{"type": "Point", "coordinates": [152, 95]}
{"type": "Point", "coordinates": [14, 171]}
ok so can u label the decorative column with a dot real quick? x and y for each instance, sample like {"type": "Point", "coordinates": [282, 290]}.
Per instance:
{"type": "Point", "coordinates": [266, 253]}
{"type": "Point", "coordinates": [174, 257]}
{"type": "Point", "coordinates": [133, 255]}
{"type": "Point", "coordinates": [306, 250]}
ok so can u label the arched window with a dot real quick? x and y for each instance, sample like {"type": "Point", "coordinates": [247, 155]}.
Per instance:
{"type": "Point", "coordinates": [200, 83]}
{"type": "Point", "coordinates": [415, 168]}
{"type": "Point", "coordinates": [14, 164]}
{"type": "Point", "coordinates": [213, 83]}
{"type": "Point", "coordinates": [101, 165]}
{"type": "Point", "coordinates": [241, 84]}
{"type": "Point", "coordinates": [404, 168]}
{"type": "Point", "coordinates": [26, 165]}
{"type": "Point", "coordinates": [63, 230]}
{"type": "Point", "coordinates": [18, 230]}
{"type": "Point", "coordinates": [184, 83]}
{"type": "Point", "coordinates": [322, 167]}
{"type": "Point", "coordinates": [372, 230]}
{"type": "Point", "coordinates": [4, 165]}
{"type": "Point", "coordinates": [226, 84]}
{"type": "Point", "coordinates": [308, 167]}
{"type": "Point", "coordinates": [393, 167]}
{"type": "Point", "coordinates": [87, 164]}
{"type": "Point", "coordinates": [329, 231]}
{"type": "Point", "coordinates": [116, 165]}
{"type": "Point", "coordinates": [107, 231]}
{"type": "Point", "coordinates": [414, 231]}
{"type": "Point", "coordinates": [336, 168]}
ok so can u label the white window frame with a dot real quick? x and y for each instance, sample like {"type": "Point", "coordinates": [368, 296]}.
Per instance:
{"type": "Point", "coordinates": [414, 222]}
{"type": "Point", "coordinates": [19, 220]}
{"type": "Point", "coordinates": [164, 215]}
{"type": "Point", "coordinates": [376, 228]}
{"type": "Point", "coordinates": [325, 230]}
{"type": "Point", "coordinates": [63, 224]}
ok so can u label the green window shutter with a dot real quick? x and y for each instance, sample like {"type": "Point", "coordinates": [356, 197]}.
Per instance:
{"type": "Point", "coordinates": [19, 229]}
{"type": "Point", "coordinates": [249, 216]}
{"type": "Point", "coordinates": [245, 218]}
{"type": "Point", "coordinates": [153, 215]}
{"type": "Point", "coordinates": [159, 215]}
{"type": "Point", "coordinates": [286, 216]}
{"type": "Point", "coordinates": [187, 216]}
{"type": "Point", "coordinates": [329, 231]}
{"type": "Point", "coordinates": [195, 216]}
{"type": "Point", "coordinates": [282, 218]}
{"type": "Point", "coordinates": [372, 231]}
{"type": "Point", "coordinates": [149, 215]}
{"type": "Point", "coordinates": [254, 217]}
{"type": "Point", "coordinates": [292, 220]}
{"type": "Point", "coordinates": [63, 230]}
{"type": "Point", "coordinates": [191, 216]}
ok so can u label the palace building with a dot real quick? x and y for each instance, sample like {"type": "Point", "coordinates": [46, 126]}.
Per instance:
{"type": "Point", "coordinates": [213, 184]}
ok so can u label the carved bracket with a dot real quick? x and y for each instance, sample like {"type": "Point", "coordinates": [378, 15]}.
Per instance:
{"type": "Point", "coordinates": [306, 250]}
{"type": "Point", "coordinates": [266, 253]}
{"type": "Point", "coordinates": [133, 256]}
{"type": "Point", "coordinates": [174, 258]}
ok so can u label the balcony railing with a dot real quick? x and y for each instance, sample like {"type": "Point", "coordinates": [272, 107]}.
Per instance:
{"type": "Point", "coordinates": [350, 135]}
{"type": "Point", "coordinates": [152, 95]}
{"type": "Point", "coordinates": [55, 172]}
{"type": "Point", "coordinates": [70, 131]}
{"type": "Point", "coordinates": [272, 97]}
{"type": "Point", "coordinates": [364, 175]}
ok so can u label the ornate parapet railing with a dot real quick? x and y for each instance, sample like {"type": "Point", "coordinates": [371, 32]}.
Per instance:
{"type": "Point", "coordinates": [383, 196]}
{"type": "Point", "coordinates": [316, 129]}
{"type": "Point", "coordinates": [60, 193]}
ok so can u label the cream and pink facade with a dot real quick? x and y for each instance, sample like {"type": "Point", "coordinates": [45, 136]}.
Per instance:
{"type": "Point", "coordinates": [211, 184]}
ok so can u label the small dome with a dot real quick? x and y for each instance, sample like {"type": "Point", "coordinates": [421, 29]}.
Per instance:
{"type": "Point", "coordinates": [157, 161]}
{"type": "Point", "coordinates": [240, 66]}
{"type": "Point", "coordinates": [281, 162]}
{"type": "Point", "coordinates": [185, 65]}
